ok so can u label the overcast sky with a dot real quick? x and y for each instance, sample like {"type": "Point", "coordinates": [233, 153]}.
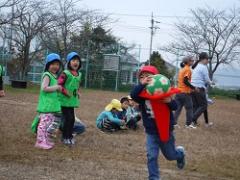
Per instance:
{"type": "Point", "coordinates": [134, 18]}
{"type": "Point", "coordinates": [134, 22]}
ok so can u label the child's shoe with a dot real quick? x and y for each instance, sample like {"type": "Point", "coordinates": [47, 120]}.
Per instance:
{"type": "Point", "coordinates": [66, 141]}
{"type": "Point", "coordinates": [181, 162]}
{"type": "Point", "coordinates": [73, 141]}
{"type": "Point", "coordinates": [191, 126]}
{"type": "Point", "coordinates": [43, 145]}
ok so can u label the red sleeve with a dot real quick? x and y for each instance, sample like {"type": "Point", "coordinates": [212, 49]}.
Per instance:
{"type": "Point", "coordinates": [61, 81]}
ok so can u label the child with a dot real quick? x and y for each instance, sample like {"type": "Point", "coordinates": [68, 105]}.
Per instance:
{"type": "Point", "coordinates": [108, 120]}
{"type": "Point", "coordinates": [124, 104]}
{"type": "Point", "coordinates": [152, 134]}
{"type": "Point", "coordinates": [78, 128]}
{"type": "Point", "coordinates": [70, 82]}
{"type": "Point", "coordinates": [2, 93]}
{"type": "Point", "coordinates": [48, 104]}
{"type": "Point", "coordinates": [133, 114]}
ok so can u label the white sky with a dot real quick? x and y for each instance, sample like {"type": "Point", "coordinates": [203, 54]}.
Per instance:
{"type": "Point", "coordinates": [135, 29]}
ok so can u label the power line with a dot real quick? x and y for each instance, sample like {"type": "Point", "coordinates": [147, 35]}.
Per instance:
{"type": "Point", "coordinates": [145, 15]}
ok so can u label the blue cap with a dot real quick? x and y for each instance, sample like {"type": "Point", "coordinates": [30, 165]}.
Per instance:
{"type": "Point", "coordinates": [71, 55]}
{"type": "Point", "coordinates": [52, 57]}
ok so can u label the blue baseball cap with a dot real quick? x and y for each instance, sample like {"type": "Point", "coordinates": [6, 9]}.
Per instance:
{"type": "Point", "coordinates": [71, 55]}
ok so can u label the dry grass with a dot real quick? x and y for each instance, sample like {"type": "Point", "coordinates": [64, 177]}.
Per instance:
{"type": "Point", "coordinates": [212, 153]}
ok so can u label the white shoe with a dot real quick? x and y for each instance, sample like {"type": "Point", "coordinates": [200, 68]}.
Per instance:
{"type": "Point", "coordinates": [177, 126]}
{"type": "Point", "coordinates": [190, 126]}
{"type": "Point", "coordinates": [210, 101]}
{"type": "Point", "coordinates": [209, 124]}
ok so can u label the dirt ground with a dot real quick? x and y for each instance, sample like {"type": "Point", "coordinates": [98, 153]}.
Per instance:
{"type": "Point", "coordinates": [212, 153]}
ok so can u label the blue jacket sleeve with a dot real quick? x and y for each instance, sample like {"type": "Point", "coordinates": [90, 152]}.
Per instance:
{"type": "Point", "coordinates": [173, 105]}
{"type": "Point", "coordinates": [111, 118]}
{"type": "Point", "coordinates": [135, 93]}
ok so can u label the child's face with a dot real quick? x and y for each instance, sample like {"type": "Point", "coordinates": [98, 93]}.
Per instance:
{"type": "Point", "coordinates": [145, 78]}
{"type": "Point", "coordinates": [75, 63]}
{"type": "Point", "coordinates": [131, 103]}
{"type": "Point", "coordinates": [54, 67]}
{"type": "Point", "coordinates": [125, 104]}
{"type": "Point", "coordinates": [114, 110]}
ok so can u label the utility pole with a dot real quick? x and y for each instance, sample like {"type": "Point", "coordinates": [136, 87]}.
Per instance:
{"type": "Point", "coordinates": [152, 34]}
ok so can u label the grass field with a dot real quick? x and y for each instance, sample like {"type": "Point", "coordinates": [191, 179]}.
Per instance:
{"type": "Point", "coordinates": [212, 153]}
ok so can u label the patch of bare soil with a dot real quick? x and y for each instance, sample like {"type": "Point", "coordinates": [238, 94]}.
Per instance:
{"type": "Point", "coordinates": [212, 153]}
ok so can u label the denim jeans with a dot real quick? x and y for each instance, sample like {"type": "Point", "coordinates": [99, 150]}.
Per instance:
{"type": "Point", "coordinates": [184, 99]}
{"type": "Point", "coordinates": [153, 145]}
{"type": "Point", "coordinates": [78, 128]}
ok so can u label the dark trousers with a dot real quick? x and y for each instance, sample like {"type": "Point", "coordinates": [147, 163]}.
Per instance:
{"type": "Point", "coordinates": [132, 123]}
{"type": "Point", "coordinates": [184, 99]}
{"type": "Point", "coordinates": [69, 119]}
{"type": "Point", "coordinates": [109, 126]}
{"type": "Point", "coordinates": [205, 113]}
{"type": "Point", "coordinates": [199, 104]}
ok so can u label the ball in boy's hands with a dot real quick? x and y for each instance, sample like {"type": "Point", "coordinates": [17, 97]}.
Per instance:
{"type": "Point", "coordinates": [159, 84]}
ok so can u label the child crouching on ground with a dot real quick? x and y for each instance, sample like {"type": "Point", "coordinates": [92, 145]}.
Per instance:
{"type": "Point", "coordinates": [133, 114]}
{"type": "Point", "coordinates": [153, 138]}
{"type": "Point", "coordinates": [108, 120]}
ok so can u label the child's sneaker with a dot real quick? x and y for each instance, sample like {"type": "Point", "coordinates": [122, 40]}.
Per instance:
{"type": "Point", "coordinates": [43, 145]}
{"type": "Point", "coordinates": [191, 126]}
{"type": "Point", "coordinates": [66, 141]}
{"type": "Point", "coordinates": [177, 126]}
{"type": "Point", "coordinates": [181, 162]}
{"type": "Point", "coordinates": [123, 127]}
{"type": "Point", "coordinates": [73, 141]}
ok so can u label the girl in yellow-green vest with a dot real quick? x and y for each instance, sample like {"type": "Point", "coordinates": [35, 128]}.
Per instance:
{"type": "Point", "coordinates": [48, 105]}
{"type": "Point", "coordinates": [70, 81]}
{"type": "Point", "coordinates": [2, 93]}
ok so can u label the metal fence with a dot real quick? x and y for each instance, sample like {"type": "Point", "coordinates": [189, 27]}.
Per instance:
{"type": "Point", "coordinates": [106, 74]}
{"type": "Point", "coordinates": [98, 74]}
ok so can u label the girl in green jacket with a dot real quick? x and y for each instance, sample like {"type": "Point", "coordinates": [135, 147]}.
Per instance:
{"type": "Point", "coordinates": [70, 81]}
{"type": "Point", "coordinates": [48, 105]}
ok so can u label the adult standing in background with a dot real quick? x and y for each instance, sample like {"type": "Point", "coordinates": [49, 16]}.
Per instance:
{"type": "Point", "coordinates": [200, 79]}
{"type": "Point", "coordinates": [184, 98]}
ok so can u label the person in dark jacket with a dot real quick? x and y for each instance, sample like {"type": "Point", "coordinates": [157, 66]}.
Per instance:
{"type": "Point", "coordinates": [154, 143]}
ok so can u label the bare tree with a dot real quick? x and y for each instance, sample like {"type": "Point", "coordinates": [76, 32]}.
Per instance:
{"type": "Point", "coordinates": [34, 18]}
{"type": "Point", "coordinates": [7, 8]}
{"type": "Point", "coordinates": [68, 20]}
{"type": "Point", "coordinates": [210, 30]}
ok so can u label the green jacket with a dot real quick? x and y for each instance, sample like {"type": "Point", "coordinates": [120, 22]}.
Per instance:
{"type": "Point", "coordinates": [72, 85]}
{"type": "Point", "coordinates": [48, 101]}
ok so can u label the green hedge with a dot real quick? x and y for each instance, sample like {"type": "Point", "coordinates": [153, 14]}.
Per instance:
{"type": "Point", "coordinates": [225, 93]}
